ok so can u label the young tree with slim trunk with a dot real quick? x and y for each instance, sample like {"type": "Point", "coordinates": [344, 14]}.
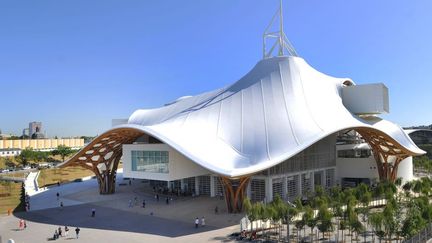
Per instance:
{"type": "Point", "coordinates": [299, 224]}
{"type": "Point", "coordinates": [389, 220]}
{"type": "Point", "coordinates": [309, 218]}
{"type": "Point", "coordinates": [376, 221]}
{"type": "Point", "coordinates": [248, 207]}
{"type": "Point", "coordinates": [324, 218]}
{"type": "Point", "coordinates": [413, 222]}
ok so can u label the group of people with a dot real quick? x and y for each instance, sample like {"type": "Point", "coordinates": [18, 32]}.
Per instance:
{"type": "Point", "coordinates": [197, 222]}
{"type": "Point", "coordinates": [60, 233]}
{"type": "Point", "coordinates": [134, 202]}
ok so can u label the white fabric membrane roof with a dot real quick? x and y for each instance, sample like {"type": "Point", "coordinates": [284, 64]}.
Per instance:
{"type": "Point", "coordinates": [278, 109]}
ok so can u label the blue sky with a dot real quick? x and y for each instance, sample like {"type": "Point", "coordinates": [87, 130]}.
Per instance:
{"type": "Point", "coordinates": [75, 65]}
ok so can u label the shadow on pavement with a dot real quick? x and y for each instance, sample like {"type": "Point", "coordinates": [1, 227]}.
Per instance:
{"type": "Point", "coordinates": [112, 219]}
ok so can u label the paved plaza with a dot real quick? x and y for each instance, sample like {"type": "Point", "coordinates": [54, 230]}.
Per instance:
{"type": "Point", "coordinates": [115, 220]}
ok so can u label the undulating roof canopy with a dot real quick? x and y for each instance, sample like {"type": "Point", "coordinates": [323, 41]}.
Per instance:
{"type": "Point", "coordinates": [281, 107]}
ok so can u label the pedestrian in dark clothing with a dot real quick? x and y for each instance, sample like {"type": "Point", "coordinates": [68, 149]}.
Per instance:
{"type": "Point", "coordinates": [58, 195]}
{"type": "Point", "coordinates": [61, 205]}
{"type": "Point", "coordinates": [93, 212]}
{"type": "Point", "coordinates": [157, 197]}
{"type": "Point", "coordinates": [77, 230]}
{"type": "Point", "coordinates": [59, 231]}
{"type": "Point", "coordinates": [216, 210]}
{"type": "Point", "coordinates": [167, 201]}
{"type": "Point", "coordinates": [130, 182]}
{"type": "Point", "coordinates": [143, 204]}
{"type": "Point", "coordinates": [196, 222]}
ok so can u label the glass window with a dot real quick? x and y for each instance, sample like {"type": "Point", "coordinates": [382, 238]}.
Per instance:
{"type": "Point", "coordinates": [150, 161]}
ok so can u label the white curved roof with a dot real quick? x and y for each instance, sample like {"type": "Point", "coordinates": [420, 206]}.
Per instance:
{"type": "Point", "coordinates": [278, 109]}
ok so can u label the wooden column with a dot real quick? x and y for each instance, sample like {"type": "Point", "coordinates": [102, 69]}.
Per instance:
{"type": "Point", "coordinates": [235, 191]}
{"type": "Point", "coordinates": [102, 156]}
{"type": "Point", "coordinates": [384, 149]}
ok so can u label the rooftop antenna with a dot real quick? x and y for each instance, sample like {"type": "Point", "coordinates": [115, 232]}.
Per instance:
{"type": "Point", "coordinates": [282, 43]}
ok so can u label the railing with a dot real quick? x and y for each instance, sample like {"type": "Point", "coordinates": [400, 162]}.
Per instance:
{"type": "Point", "coordinates": [422, 237]}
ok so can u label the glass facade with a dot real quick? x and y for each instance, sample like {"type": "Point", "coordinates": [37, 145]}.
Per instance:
{"type": "Point", "coordinates": [150, 161]}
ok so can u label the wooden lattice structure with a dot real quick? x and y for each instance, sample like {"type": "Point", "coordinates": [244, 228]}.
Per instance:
{"type": "Point", "coordinates": [388, 154]}
{"type": "Point", "coordinates": [103, 154]}
{"type": "Point", "coordinates": [235, 191]}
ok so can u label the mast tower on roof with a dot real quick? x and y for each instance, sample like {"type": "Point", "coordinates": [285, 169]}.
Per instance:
{"type": "Point", "coordinates": [281, 43]}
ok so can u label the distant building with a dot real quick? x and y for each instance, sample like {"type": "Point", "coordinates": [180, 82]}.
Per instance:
{"type": "Point", "coordinates": [35, 130]}
{"type": "Point", "coordinates": [41, 144]}
{"type": "Point", "coordinates": [9, 152]}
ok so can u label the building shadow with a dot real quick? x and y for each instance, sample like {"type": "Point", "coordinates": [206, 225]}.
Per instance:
{"type": "Point", "coordinates": [113, 219]}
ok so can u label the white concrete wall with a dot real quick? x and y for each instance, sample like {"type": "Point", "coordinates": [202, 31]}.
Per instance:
{"type": "Point", "coordinates": [356, 168]}
{"type": "Point", "coordinates": [367, 168]}
{"type": "Point", "coordinates": [405, 170]}
{"type": "Point", "coordinates": [179, 166]}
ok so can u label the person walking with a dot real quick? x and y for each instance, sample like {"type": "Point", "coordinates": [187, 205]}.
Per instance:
{"type": "Point", "coordinates": [167, 201]}
{"type": "Point", "coordinates": [130, 203]}
{"type": "Point", "coordinates": [58, 196]}
{"type": "Point", "coordinates": [60, 231]}
{"type": "Point", "coordinates": [143, 205]}
{"type": "Point", "coordinates": [77, 231]}
{"type": "Point", "coordinates": [66, 231]}
{"type": "Point", "coordinates": [216, 210]}
{"type": "Point", "coordinates": [25, 224]}
{"type": "Point", "coordinates": [61, 205]}
{"type": "Point", "coordinates": [93, 212]}
{"type": "Point", "coordinates": [21, 224]}
{"type": "Point", "coordinates": [196, 222]}
{"type": "Point", "coordinates": [202, 221]}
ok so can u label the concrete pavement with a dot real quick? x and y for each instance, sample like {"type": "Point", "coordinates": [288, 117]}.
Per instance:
{"type": "Point", "coordinates": [115, 221]}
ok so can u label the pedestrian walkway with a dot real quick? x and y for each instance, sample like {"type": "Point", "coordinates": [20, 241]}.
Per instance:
{"type": "Point", "coordinates": [31, 185]}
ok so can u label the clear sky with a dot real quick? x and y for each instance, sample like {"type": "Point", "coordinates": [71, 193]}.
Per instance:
{"type": "Point", "coordinates": [76, 64]}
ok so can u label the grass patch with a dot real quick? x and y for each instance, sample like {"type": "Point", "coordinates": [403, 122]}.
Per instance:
{"type": "Point", "coordinates": [49, 177]}
{"type": "Point", "coordinates": [10, 197]}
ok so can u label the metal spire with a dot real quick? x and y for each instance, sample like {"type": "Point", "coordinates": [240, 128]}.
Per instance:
{"type": "Point", "coordinates": [282, 42]}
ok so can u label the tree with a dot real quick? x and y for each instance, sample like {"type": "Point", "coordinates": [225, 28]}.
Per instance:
{"type": "Point", "coordinates": [278, 210]}
{"type": "Point", "coordinates": [284, 212]}
{"type": "Point", "coordinates": [309, 218]}
{"type": "Point", "coordinates": [376, 221]}
{"type": "Point", "coordinates": [390, 224]}
{"type": "Point", "coordinates": [63, 151]}
{"type": "Point", "coordinates": [357, 227]}
{"type": "Point", "coordinates": [252, 211]}
{"type": "Point", "coordinates": [413, 222]}
{"type": "Point", "coordinates": [336, 205]}
{"type": "Point", "coordinates": [299, 224]}
{"type": "Point", "coordinates": [324, 218]}
{"type": "Point", "coordinates": [343, 225]}
{"type": "Point", "coordinates": [25, 156]}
